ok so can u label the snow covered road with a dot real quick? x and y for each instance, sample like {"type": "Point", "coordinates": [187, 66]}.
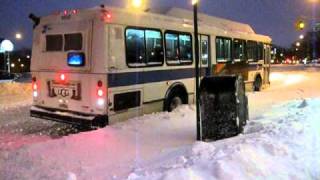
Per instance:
{"type": "Point", "coordinates": [282, 141]}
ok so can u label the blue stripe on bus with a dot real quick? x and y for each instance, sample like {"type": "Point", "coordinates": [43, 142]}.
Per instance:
{"type": "Point", "coordinates": [142, 77]}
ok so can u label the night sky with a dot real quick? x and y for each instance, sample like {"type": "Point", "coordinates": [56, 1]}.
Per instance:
{"type": "Point", "coordinates": [275, 18]}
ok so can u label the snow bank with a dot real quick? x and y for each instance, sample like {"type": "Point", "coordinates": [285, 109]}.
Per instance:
{"type": "Point", "coordinates": [14, 94]}
{"type": "Point", "coordinates": [282, 144]}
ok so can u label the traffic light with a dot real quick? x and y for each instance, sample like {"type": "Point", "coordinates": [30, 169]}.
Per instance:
{"type": "Point", "coordinates": [301, 25]}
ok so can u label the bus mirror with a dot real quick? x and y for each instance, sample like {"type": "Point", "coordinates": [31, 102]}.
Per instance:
{"type": "Point", "coordinates": [35, 19]}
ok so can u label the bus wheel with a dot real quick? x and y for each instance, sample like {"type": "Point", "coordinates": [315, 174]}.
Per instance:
{"type": "Point", "coordinates": [175, 99]}
{"type": "Point", "coordinates": [175, 102]}
{"type": "Point", "coordinates": [257, 84]}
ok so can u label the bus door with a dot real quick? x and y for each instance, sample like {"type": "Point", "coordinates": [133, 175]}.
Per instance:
{"type": "Point", "coordinates": [205, 58]}
{"type": "Point", "coordinates": [266, 65]}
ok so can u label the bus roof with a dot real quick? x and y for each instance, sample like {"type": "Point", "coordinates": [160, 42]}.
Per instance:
{"type": "Point", "coordinates": [173, 15]}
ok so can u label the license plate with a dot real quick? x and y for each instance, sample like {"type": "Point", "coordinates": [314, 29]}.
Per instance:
{"type": "Point", "coordinates": [63, 92]}
{"type": "Point", "coordinates": [69, 90]}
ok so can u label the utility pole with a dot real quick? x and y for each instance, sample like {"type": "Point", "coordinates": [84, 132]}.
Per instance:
{"type": "Point", "coordinates": [196, 34]}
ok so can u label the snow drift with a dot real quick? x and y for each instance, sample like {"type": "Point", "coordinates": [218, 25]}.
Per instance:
{"type": "Point", "coordinates": [282, 144]}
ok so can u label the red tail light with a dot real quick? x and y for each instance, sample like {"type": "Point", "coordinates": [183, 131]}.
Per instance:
{"type": "Point", "coordinates": [34, 87]}
{"type": "Point", "coordinates": [100, 94]}
{"type": "Point", "coordinates": [62, 77]}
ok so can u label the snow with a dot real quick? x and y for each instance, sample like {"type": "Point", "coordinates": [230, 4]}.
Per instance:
{"type": "Point", "coordinates": [14, 94]}
{"type": "Point", "coordinates": [281, 141]}
{"type": "Point", "coordinates": [282, 144]}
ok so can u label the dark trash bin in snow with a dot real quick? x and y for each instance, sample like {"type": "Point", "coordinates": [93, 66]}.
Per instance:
{"type": "Point", "coordinates": [224, 106]}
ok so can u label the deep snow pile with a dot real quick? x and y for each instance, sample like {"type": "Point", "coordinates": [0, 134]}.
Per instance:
{"type": "Point", "coordinates": [282, 144]}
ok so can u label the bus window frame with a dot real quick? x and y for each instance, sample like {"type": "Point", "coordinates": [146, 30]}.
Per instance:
{"type": "Point", "coordinates": [255, 58]}
{"type": "Point", "coordinates": [145, 48]}
{"type": "Point", "coordinates": [231, 50]}
{"type": "Point", "coordinates": [165, 48]}
{"type": "Point", "coordinates": [244, 51]}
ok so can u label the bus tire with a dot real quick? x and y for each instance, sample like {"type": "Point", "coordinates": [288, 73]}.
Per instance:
{"type": "Point", "coordinates": [257, 84]}
{"type": "Point", "coordinates": [175, 97]}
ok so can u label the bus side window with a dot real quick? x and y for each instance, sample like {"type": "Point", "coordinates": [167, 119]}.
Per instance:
{"type": "Point", "coordinates": [252, 52]}
{"type": "Point", "coordinates": [154, 47]}
{"type": "Point", "coordinates": [260, 51]}
{"type": "Point", "coordinates": [223, 50]}
{"type": "Point", "coordinates": [178, 48]}
{"type": "Point", "coordinates": [239, 50]}
{"type": "Point", "coordinates": [135, 46]}
{"type": "Point", "coordinates": [172, 48]}
{"type": "Point", "coordinates": [144, 47]}
{"type": "Point", "coordinates": [185, 47]}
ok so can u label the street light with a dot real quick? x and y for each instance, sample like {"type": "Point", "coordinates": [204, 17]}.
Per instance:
{"type": "Point", "coordinates": [18, 36]}
{"type": "Point", "coordinates": [196, 35]}
{"type": "Point", "coordinates": [301, 36]}
{"type": "Point", "coordinates": [6, 46]}
{"type": "Point", "coordinates": [136, 3]}
{"type": "Point", "coordinates": [298, 44]}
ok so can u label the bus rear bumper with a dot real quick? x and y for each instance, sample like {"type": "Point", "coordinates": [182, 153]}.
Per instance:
{"type": "Point", "coordinates": [69, 117]}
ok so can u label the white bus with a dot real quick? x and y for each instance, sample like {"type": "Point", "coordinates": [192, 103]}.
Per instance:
{"type": "Point", "coordinates": [100, 65]}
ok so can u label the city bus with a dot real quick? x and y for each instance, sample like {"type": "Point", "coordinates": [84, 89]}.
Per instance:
{"type": "Point", "coordinates": [97, 66]}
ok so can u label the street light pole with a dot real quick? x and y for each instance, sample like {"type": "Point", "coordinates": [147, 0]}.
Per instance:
{"type": "Point", "coordinates": [9, 63]}
{"type": "Point", "coordinates": [197, 78]}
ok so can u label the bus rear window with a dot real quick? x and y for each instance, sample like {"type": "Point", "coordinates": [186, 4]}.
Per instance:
{"type": "Point", "coordinates": [73, 42]}
{"type": "Point", "coordinates": [54, 42]}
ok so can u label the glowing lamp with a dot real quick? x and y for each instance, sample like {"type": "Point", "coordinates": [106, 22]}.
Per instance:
{"type": "Point", "coordinates": [6, 46]}
{"type": "Point", "coordinates": [100, 102]}
{"type": "Point", "coordinates": [65, 12]}
{"type": "Point", "coordinates": [137, 3]}
{"type": "Point", "coordinates": [109, 16]}
{"type": "Point", "coordinates": [194, 2]}
{"type": "Point", "coordinates": [35, 87]}
{"type": "Point", "coordinates": [35, 94]}
{"type": "Point", "coordinates": [100, 92]}
{"type": "Point", "coordinates": [62, 77]}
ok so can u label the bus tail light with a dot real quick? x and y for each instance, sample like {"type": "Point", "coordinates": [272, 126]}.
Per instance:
{"type": "Point", "coordinates": [62, 77]}
{"type": "Point", "coordinates": [100, 94]}
{"type": "Point", "coordinates": [34, 87]}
